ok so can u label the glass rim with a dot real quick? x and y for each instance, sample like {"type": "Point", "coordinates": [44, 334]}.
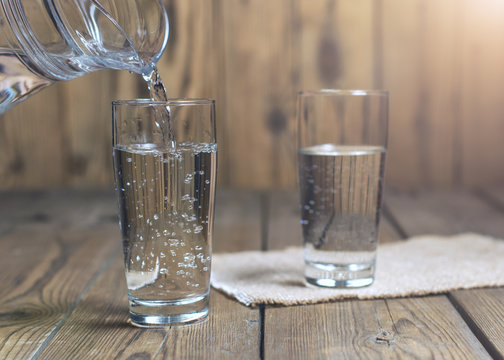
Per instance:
{"type": "Point", "coordinates": [352, 92]}
{"type": "Point", "coordinates": [171, 102]}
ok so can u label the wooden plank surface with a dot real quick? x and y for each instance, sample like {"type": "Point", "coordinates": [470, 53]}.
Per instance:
{"type": "Point", "coordinates": [405, 328]}
{"type": "Point", "coordinates": [481, 108]}
{"type": "Point", "coordinates": [444, 213]}
{"type": "Point", "coordinates": [47, 284]}
{"type": "Point", "coordinates": [419, 49]}
{"type": "Point", "coordinates": [440, 61]}
{"type": "Point", "coordinates": [31, 149]}
{"type": "Point", "coordinates": [238, 221]}
{"type": "Point", "coordinates": [391, 328]}
{"type": "Point", "coordinates": [451, 213]}
{"type": "Point", "coordinates": [64, 294]}
{"type": "Point", "coordinates": [100, 320]}
{"type": "Point", "coordinates": [258, 92]}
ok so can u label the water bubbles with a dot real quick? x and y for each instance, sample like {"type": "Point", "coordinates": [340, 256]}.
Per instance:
{"type": "Point", "coordinates": [156, 217]}
{"type": "Point", "coordinates": [129, 159]}
{"type": "Point", "coordinates": [201, 172]}
{"type": "Point", "coordinates": [173, 242]}
{"type": "Point", "coordinates": [163, 271]}
{"type": "Point", "coordinates": [207, 181]}
{"type": "Point", "coordinates": [128, 183]}
{"type": "Point", "coordinates": [185, 197]}
{"type": "Point", "coordinates": [197, 230]}
{"type": "Point", "coordinates": [198, 247]}
{"type": "Point", "coordinates": [189, 262]}
{"type": "Point", "coordinates": [188, 178]}
{"type": "Point", "coordinates": [138, 258]}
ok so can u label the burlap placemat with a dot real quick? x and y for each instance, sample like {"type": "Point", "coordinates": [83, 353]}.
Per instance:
{"type": "Point", "coordinates": [419, 266]}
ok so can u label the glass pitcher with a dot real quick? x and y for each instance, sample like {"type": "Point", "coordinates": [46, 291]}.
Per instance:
{"type": "Point", "coordinates": [44, 41]}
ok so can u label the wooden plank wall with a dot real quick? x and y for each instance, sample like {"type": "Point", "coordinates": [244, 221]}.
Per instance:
{"type": "Point", "coordinates": [440, 60]}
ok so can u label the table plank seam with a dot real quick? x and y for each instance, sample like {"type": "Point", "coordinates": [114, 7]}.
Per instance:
{"type": "Point", "coordinates": [473, 327]}
{"type": "Point", "coordinates": [265, 208]}
{"type": "Point", "coordinates": [264, 201]}
{"type": "Point", "coordinates": [88, 287]}
{"type": "Point", "coordinates": [490, 200]}
{"type": "Point", "coordinates": [476, 330]}
{"type": "Point", "coordinates": [262, 313]}
{"type": "Point", "coordinates": [387, 214]}
{"type": "Point", "coordinates": [161, 346]}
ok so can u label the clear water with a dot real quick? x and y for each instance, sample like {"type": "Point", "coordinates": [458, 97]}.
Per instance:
{"type": "Point", "coordinates": [166, 219]}
{"type": "Point", "coordinates": [84, 37]}
{"type": "Point", "coordinates": [157, 92]}
{"type": "Point", "coordinates": [341, 190]}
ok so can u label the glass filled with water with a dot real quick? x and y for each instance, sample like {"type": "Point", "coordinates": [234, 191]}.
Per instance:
{"type": "Point", "coordinates": [165, 159]}
{"type": "Point", "coordinates": [342, 142]}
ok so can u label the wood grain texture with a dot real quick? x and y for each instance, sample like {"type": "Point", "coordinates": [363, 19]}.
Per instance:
{"type": "Point", "coordinates": [335, 44]}
{"type": "Point", "coordinates": [451, 213]}
{"type": "Point", "coordinates": [258, 91]}
{"type": "Point", "coordinates": [47, 284]}
{"type": "Point", "coordinates": [481, 117]}
{"type": "Point", "coordinates": [238, 221]}
{"type": "Point", "coordinates": [440, 61]}
{"type": "Point", "coordinates": [98, 327]}
{"type": "Point", "coordinates": [419, 58]}
{"type": "Point", "coordinates": [404, 328]}
{"type": "Point", "coordinates": [392, 328]}
{"type": "Point", "coordinates": [444, 213]}
{"type": "Point", "coordinates": [100, 320]}
{"type": "Point", "coordinates": [230, 332]}
{"type": "Point", "coordinates": [487, 323]}
{"type": "Point", "coordinates": [86, 132]}
{"type": "Point", "coordinates": [32, 152]}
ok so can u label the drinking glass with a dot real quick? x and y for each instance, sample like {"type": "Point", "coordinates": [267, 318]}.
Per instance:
{"type": "Point", "coordinates": [342, 142]}
{"type": "Point", "coordinates": [165, 158]}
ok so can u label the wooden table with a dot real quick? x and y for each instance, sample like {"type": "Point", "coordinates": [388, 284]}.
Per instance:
{"type": "Point", "coordinates": [63, 292]}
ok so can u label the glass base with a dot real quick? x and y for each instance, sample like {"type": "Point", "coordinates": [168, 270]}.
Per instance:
{"type": "Point", "coordinates": [156, 313]}
{"type": "Point", "coordinates": [339, 276]}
